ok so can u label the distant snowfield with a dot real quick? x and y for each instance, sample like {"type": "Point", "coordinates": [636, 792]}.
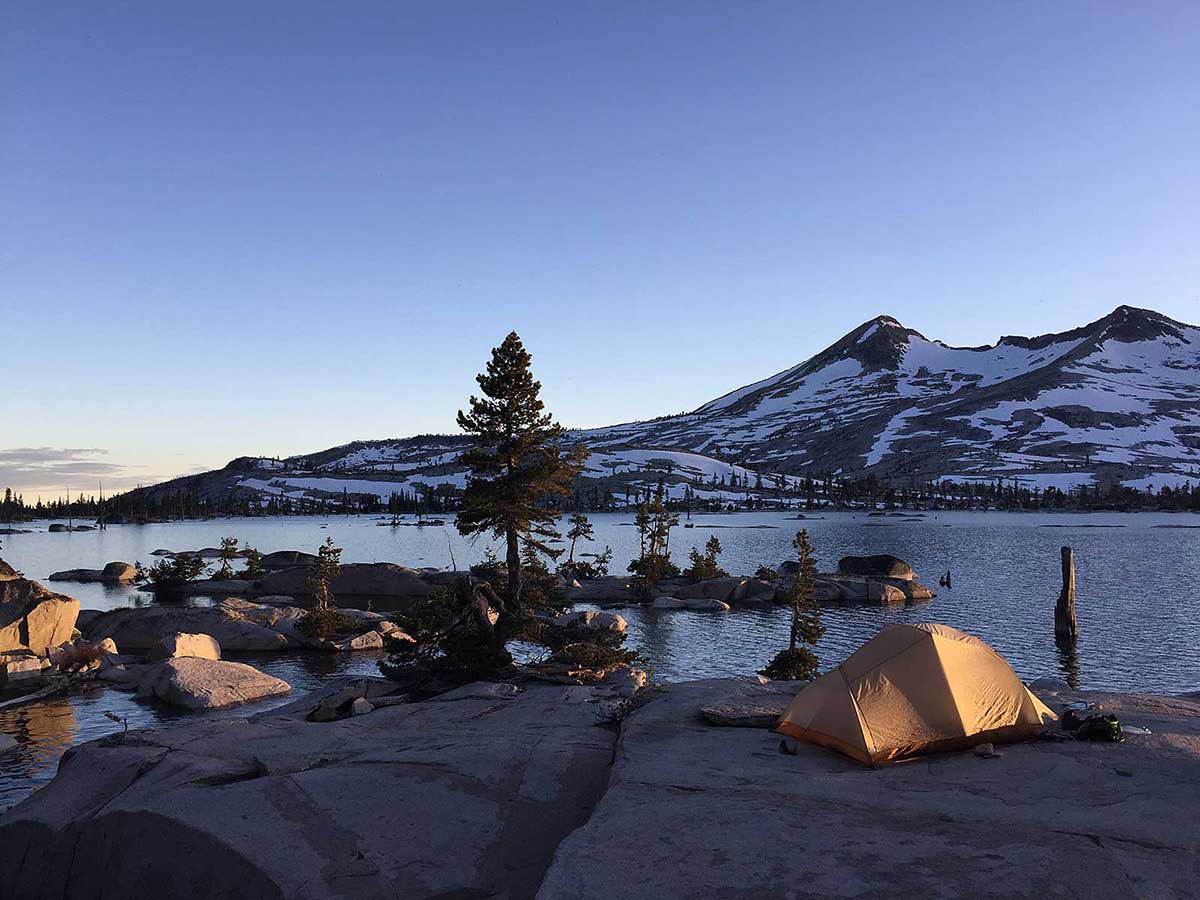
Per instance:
{"type": "Point", "coordinates": [298, 485]}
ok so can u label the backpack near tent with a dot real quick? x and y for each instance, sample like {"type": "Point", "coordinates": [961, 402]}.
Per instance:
{"type": "Point", "coordinates": [915, 689]}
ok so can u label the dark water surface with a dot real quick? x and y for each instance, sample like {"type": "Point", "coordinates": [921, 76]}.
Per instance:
{"type": "Point", "coordinates": [1137, 599]}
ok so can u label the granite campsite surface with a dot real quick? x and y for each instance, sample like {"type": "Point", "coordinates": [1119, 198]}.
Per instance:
{"type": "Point", "coordinates": [551, 792]}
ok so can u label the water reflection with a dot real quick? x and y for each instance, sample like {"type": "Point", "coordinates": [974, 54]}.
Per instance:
{"type": "Point", "coordinates": [1068, 659]}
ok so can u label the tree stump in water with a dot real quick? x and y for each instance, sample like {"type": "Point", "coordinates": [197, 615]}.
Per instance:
{"type": "Point", "coordinates": [1065, 625]}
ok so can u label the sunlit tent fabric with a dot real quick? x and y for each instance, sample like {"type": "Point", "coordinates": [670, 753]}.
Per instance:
{"type": "Point", "coordinates": [915, 689]}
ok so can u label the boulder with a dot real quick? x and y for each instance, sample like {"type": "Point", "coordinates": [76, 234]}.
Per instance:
{"type": "Point", "coordinates": [700, 603]}
{"type": "Point", "coordinates": [370, 640]}
{"type": "Point", "coordinates": [285, 559]}
{"type": "Point", "coordinates": [830, 588]}
{"type": "Point", "coordinates": [175, 646]}
{"type": "Point", "coordinates": [881, 564]}
{"type": "Point", "coordinates": [606, 589]}
{"type": "Point", "coordinates": [712, 588]}
{"type": "Point", "coordinates": [136, 630]}
{"type": "Point", "coordinates": [33, 618]}
{"type": "Point", "coordinates": [382, 580]}
{"type": "Point", "coordinates": [336, 700]}
{"type": "Point", "coordinates": [113, 573]}
{"type": "Point", "coordinates": [20, 667]}
{"type": "Point", "coordinates": [205, 586]}
{"type": "Point", "coordinates": [591, 618]}
{"type": "Point", "coordinates": [750, 716]}
{"type": "Point", "coordinates": [882, 592]}
{"type": "Point", "coordinates": [7, 572]}
{"type": "Point", "coordinates": [85, 616]}
{"type": "Point", "coordinates": [626, 681]}
{"type": "Point", "coordinates": [753, 590]}
{"type": "Point", "coordinates": [195, 683]}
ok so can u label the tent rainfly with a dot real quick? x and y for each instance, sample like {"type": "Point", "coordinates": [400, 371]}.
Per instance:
{"type": "Point", "coordinates": [915, 689]}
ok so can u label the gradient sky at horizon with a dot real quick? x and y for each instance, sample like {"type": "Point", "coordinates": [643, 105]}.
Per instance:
{"type": "Point", "coordinates": [271, 228]}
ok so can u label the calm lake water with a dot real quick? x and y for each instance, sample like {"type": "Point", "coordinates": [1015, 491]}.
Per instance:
{"type": "Point", "coordinates": [1136, 597]}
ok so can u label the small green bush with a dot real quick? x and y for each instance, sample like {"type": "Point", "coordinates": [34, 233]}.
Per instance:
{"type": "Point", "coordinates": [799, 664]}
{"type": "Point", "coordinates": [327, 624]}
{"type": "Point", "coordinates": [168, 576]}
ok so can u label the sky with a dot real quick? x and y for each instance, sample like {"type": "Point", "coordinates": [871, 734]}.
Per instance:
{"type": "Point", "coordinates": [234, 229]}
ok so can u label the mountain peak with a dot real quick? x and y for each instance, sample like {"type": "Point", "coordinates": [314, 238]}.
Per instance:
{"type": "Point", "coordinates": [1128, 324]}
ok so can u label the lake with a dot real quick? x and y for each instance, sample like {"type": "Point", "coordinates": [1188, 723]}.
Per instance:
{"type": "Point", "coordinates": [1135, 576]}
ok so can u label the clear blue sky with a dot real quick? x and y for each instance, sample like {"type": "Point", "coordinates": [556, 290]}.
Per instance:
{"type": "Point", "coordinates": [236, 228]}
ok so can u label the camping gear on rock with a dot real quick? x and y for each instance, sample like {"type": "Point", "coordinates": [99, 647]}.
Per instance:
{"type": "Point", "coordinates": [1099, 728]}
{"type": "Point", "coordinates": [915, 689]}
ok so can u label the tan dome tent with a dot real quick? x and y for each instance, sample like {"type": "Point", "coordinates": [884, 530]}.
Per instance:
{"type": "Point", "coordinates": [915, 689]}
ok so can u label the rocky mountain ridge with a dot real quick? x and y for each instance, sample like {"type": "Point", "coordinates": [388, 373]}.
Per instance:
{"type": "Point", "coordinates": [1113, 401]}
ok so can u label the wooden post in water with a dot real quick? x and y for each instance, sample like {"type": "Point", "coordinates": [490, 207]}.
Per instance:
{"type": "Point", "coordinates": [1065, 625]}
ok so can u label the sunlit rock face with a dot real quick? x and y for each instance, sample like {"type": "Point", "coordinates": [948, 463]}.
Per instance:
{"type": "Point", "coordinates": [33, 618]}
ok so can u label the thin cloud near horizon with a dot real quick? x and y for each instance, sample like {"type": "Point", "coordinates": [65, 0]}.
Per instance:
{"type": "Point", "coordinates": [52, 470]}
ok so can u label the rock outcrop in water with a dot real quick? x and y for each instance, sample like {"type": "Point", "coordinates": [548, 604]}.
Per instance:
{"type": "Point", "coordinates": [114, 573]}
{"type": "Point", "coordinates": [234, 624]}
{"type": "Point", "coordinates": [738, 591]}
{"type": "Point", "coordinates": [522, 794]}
{"type": "Point", "coordinates": [387, 582]}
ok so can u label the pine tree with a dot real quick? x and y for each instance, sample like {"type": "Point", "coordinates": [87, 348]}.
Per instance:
{"type": "Point", "coordinates": [519, 468]}
{"type": "Point", "coordinates": [254, 567]}
{"type": "Point", "coordinates": [228, 553]}
{"type": "Point", "coordinates": [581, 529]}
{"type": "Point", "coordinates": [799, 663]}
{"type": "Point", "coordinates": [327, 569]}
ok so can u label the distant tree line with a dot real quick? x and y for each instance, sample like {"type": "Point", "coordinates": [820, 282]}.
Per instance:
{"type": "Point", "coordinates": [748, 491]}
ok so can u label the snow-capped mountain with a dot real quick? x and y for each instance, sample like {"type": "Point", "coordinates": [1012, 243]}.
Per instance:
{"type": "Point", "coordinates": [1117, 400]}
